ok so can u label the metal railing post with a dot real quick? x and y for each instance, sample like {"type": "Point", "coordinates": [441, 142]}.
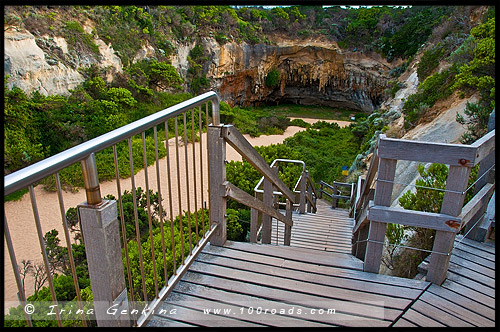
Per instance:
{"type": "Point", "coordinates": [101, 235]}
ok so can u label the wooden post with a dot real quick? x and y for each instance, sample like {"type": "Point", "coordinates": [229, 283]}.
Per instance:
{"type": "Point", "coordinates": [376, 232]}
{"type": "Point", "coordinates": [268, 200]}
{"type": "Point", "coordinates": [302, 201]}
{"type": "Point", "coordinates": [104, 257]}
{"type": "Point", "coordinates": [253, 225]}
{"type": "Point", "coordinates": [288, 229]}
{"type": "Point", "coordinates": [453, 200]}
{"type": "Point", "coordinates": [217, 176]}
{"type": "Point", "coordinates": [334, 199]}
{"type": "Point", "coordinates": [484, 166]}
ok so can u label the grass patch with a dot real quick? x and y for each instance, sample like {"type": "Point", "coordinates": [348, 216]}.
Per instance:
{"type": "Point", "coordinates": [306, 111]}
{"type": "Point", "coordinates": [16, 196]}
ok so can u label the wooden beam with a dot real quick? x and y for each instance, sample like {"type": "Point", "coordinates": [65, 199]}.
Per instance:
{"type": "Point", "coordinates": [442, 153]}
{"type": "Point", "coordinates": [485, 145]}
{"type": "Point", "coordinates": [243, 197]}
{"type": "Point", "coordinates": [383, 195]}
{"type": "Point", "coordinates": [288, 229]}
{"type": "Point", "coordinates": [475, 204]}
{"type": "Point", "coordinates": [243, 147]}
{"type": "Point", "coordinates": [302, 197]}
{"type": "Point", "coordinates": [217, 176]}
{"type": "Point", "coordinates": [363, 218]}
{"type": "Point", "coordinates": [268, 199]}
{"type": "Point", "coordinates": [453, 201]}
{"type": "Point", "coordinates": [430, 220]}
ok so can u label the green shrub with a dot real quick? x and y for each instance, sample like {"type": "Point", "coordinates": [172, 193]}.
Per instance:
{"type": "Point", "coordinates": [273, 78]}
{"type": "Point", "coordinates": [429, 61]}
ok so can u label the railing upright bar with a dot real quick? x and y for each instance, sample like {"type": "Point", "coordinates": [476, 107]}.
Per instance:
{"type": "Point", "coordinates": [201, 168]}
{"type": "Point", "coordinates": [194, 175]}
{"type": "Point", "coordinates": [15, 268]}
{"type": "Point", "coordinates": [148, 201]}
{"type": "Point", "coordinates": [186, 167]}
{"type": "Point", "coordinates": [44, 252]}
{"type": "Point", "coordinates": [170, 199]}
{"type": "Point", "coordinates": [136, 218]}
{"type": "Point", "coordinates": [124, 232]}
{"type": "Point", "coordinates": [160, 207]}
{"type": "Point", "coordinates": [68, 245]}
{"type": "Point", "coordinates": [179, 188]}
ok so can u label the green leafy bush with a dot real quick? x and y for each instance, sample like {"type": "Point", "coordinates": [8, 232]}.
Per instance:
{"type": "Point", "coordinates": [273, 78]}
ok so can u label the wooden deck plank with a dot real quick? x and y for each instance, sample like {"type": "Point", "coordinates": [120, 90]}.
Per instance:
{"type": "Point", "coordinates": [463, 302]}
{"type": "Point", "coordinates": [369, 287]}
{"type": "Point", "coordinates": [478, 260]}
{"type": "Point", "coordinates": [445, 305]}
{"type": "Point", "coordinates": [301, 287]}
{"type": "Point", "coordinates": [470, 283]}
{"type": "Point", "coordinates": [469, 293]}
{"type": "Point", "coordinates": [404, 323]}
{"type": "Point", "coordinates": [300, 254]}
{"type": "Point", "coordinates": [196, 317]}
{"type": "Point", "coordinates": [439, 315]}
{"type": "Point", "coordinates": [161, 321]}
{"type": "Point", "coordinates": [474, 244]}
{"type": "Point", "coordinates": [288, 317]}
{"type": "Point", "coordinates": [467, 264]}
{"type": "Point", "coordinates": [313, 268]}
{"type": "Point", "coordinates": [474, 275]}
{"type": "Point", "coordinates": [420, 320]}
{"type": "Point", "coordinates": [324, 237]}
{"type": "Point", "coordinates": [353, 315]}
{"type": "Point", "coordinates": [477, 252]}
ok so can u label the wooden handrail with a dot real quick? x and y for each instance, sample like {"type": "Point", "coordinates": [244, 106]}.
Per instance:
{"type": "Point", "coordinates": [243, 147]}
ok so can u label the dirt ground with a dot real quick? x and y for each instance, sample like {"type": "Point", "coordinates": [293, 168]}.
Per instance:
{"type": "Point", "coordinates": [19, 214]}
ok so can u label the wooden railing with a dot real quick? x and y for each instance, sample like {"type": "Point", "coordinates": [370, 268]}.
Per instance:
{"type": "Point", "coordinates": [368, 241]}
{"type": "Point", "coordinates": [336, 193]}
{"type": "Point", "coordinates": [220, 189]}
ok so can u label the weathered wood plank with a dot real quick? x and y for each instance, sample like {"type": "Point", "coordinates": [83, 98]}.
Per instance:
{"type": "Point", "coordinates": [300, 254]}
{"type": "Point", "coordinates": [252, 296]}
{"type": "Point", "coordinates": [472, 284]}
{"type": "Point", "coordinates": [485, 145]}
{"type": "Point", "coordinates": [469, 293]}
{"type": "Point", "coordinates": [243, 197]}
{"type": "Point", "coordinates": [161, 321]}
{"type": "Point", "coordinates": [427, 152]}
{"type": "Point", "coordinates": [473, 266]}
{"type": "Point", "coordinates": [453, 201]}
{"type": "Point", "coordinates": [196, 317]}
{"type": "Point", "coordinates": [287, 235]}
{"type": "Point", "coordinates": [420, 320]}
{"type": "Point", "coordinates": [474, 258]}
{"type": "Point", "coordinates": [462, 248]}
{"type": "Point", "coordinates": [243, 147]}
{"type": "Point", "coordinates": [465, 314]}
{"type": "Point", "coordinates": [286, 314]}
{"type": "Point", "coordinates": [479, 201]}
{"type": "Point", "coordinates": [438, 221]}
{"type": "Point", "coordinates": [466, 303]}
{"type": "Point", "coordinates": [475, 275]}
{"type": "Point", "coordinates": [254, 224]}
{"type": "Point", "coordinates": [313, 278]}
{"type": "Point", "coordinates": [480, 246]}
{"type": "Point", "coordinates": [438, 314]}
{"type": "Point", "coordinates": [404, 323]}
{"type": "Point", "coordinates": [268, 200]}
{"type": "Point", "coordinates": [377, 230]}
{"type": "Point", "coordinates": [313, 268]}
{"type": "Point", "coordinates": [355, 311]}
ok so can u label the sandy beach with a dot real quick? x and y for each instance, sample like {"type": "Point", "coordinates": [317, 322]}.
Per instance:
{"type": "Point", "coordinates": [19, 214]}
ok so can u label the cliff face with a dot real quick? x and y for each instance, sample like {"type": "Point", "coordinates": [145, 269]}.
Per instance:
{"type": "Point", "coordinates": [310, 74]}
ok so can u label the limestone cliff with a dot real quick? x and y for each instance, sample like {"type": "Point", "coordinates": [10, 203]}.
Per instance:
{"type": "Point", "coordinates": [310, 74]}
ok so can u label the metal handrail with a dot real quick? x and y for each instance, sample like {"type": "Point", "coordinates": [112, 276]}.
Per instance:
{"type": "Point", "coordinates": [256, 189]}
{"type": "Point", "coordinates": [28, 175]}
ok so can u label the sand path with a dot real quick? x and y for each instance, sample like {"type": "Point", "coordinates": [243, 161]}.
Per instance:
{"type": "Point", "coordinates": [19, 214]}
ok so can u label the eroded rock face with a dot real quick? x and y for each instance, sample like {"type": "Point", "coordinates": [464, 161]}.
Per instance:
{"type": "Point", "coordinates": [309, 75]}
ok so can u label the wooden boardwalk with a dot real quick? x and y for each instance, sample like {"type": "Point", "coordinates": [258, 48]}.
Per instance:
{"type": "Point", "coordinates": [328, 229]}
{"type": "Point", "coordinates": [267, 285]}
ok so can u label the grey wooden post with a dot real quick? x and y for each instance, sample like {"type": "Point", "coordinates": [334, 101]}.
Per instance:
{"type": "Point", "coordinates": [101, 234]}
{"type": "Point", "coordinates": [254, 218]}
{"type": "Point", "coordinates": [268, 200]}
{"type": "Point", "coordinates": [476, 233]}
{"type": "Point", "coordinates": [217, 176]}
{"type": "Point", "coordinates": [453, 200]}
{"type": "Point", "coordinates": [383, 193]}
{"type": "Point", "coordinates": [334, 199]}
{"type": "Point", "coordinates": [302, 197]}
{"type": "Point", "coordinates": [288, 229]}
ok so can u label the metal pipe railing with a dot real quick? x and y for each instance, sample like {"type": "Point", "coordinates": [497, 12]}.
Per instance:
{"type": "Point", "coordinates": [33, 173]}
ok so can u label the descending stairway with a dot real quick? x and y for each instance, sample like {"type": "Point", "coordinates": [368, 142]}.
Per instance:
{"type": "Point", "coordinates": [328, 229]}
